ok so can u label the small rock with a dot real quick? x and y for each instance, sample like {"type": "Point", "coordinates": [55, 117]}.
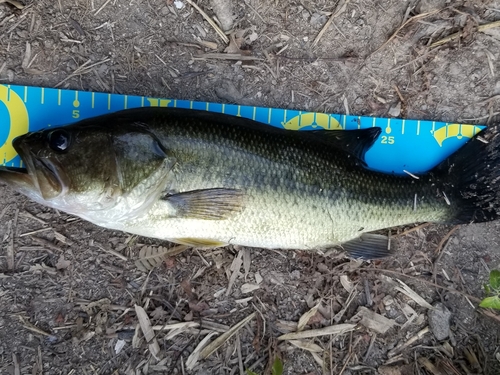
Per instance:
{"type": "Point", "coordinates": [439, 321]}
{"type": "Point", "coordinates": [395, 110]}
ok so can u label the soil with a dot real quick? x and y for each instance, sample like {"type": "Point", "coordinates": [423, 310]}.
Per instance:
{"type": "Point", "coordinates": [69, 289]}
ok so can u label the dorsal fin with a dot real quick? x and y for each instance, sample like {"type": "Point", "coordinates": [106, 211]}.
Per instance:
{"type": "Point", "coordinates": [354, 142]}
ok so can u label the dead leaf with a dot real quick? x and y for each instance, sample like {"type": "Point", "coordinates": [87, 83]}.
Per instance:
{"type": "Point", "coordinates": [158, 313]}
{"type": "Point", "coordinates": [151, 256]}
{"type": "Point", "coordinates": [62, 263]}
{"type": "Point", "coordinates": [304, 319]}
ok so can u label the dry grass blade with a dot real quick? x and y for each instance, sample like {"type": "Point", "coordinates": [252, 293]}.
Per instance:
{"type": "Point", "coordinates": [150, 257]}
{"type": "Point", "coordinates": [210, 21]}
{"type": "Point", "coordinates": [217, 343]}
{"type": "Point", "coordinates": [480, 28]}
{"type": "Point", "coordinates": [147, 331]}
{"type": "Point", "coordinates": [195, 355]}
{"type": "Point", "coordinates": [304, 319]}
{"type": "Point", "coordinates": [413, 295]}
{"type": "Point", "coordinates": [410, 20]}
{"type": "Point", "coordinates": [331, 330]}
{"type": "Point", "coordinates": [181, 325]}
{"type": "Point", "coordinates": [15, 3]}
{"type": "Point", "coordinates": [340, 9]}
{"type": "Point", "coordinates": [307, 345]}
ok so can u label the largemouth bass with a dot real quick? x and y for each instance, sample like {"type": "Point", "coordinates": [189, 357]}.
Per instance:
{"type": "Point", "coordinates": [207, 180]}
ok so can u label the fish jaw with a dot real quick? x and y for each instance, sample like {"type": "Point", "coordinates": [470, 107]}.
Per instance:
{"type": "Point", "coordinates": [18, 179]}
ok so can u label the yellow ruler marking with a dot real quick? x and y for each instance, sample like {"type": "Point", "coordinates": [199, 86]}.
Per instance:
{"type": "Point", "coordinates": [93, 100]}
{"type": "Point", "coordinates": [206, 107]}
{"type": "Point", "coordinates": [59, 97]}
{"type": "Point", "coordinates": [142, 101]}
{"type": "Point", "coordinates": [418, 127]}
{"type": "Point", "coordinates": [269, 115]}
{"type": "Point", "coordinates": [109, 102]}
{"type": "Point", "coordinates": [25, 94]}
{"type": "Point", "coordinates": [254, 113]}
{"type": "Point", "coordinates": [223, 108]}
{"type": "Point", "coordinates": [191, 104]}
{"type": "Point", "coordinates": [403, 127]}
{"type": "Point", "coordinates": [125, 100]}
{"type": "Point", "coordinates": [42, 99]}
{"type": "Point", "coordinates": [373, 122]}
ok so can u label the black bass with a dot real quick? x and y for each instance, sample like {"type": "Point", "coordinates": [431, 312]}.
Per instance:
{"type": "Point", "coordinates": [206, 180]}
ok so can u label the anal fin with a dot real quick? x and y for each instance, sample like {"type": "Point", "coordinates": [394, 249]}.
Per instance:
{"type": "Point", "coordinates": [198, 242]}
{"type": "Point", "coordinates": [368, 246]}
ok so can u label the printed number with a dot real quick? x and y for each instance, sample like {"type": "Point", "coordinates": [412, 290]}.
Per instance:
{"type": "Point", "coordinates": [388, 140]}
{"type": "Point", "coordinates": [76, 113]}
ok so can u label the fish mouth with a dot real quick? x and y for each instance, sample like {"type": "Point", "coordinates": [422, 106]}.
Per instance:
{"type": "Point", "coordinates": [42, 176]}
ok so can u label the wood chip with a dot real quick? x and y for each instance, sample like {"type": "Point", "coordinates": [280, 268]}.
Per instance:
{"type": "Point", "coordinates": [372, 320]}
{"type": "Point", "coordinates": [337, 329]}
{"type": "Point", "coordinates": [147, 331]}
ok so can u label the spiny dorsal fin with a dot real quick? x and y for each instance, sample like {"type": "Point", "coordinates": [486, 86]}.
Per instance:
{"type": "Point", "coordinates": [354, 142]}
{"type": "Point", "coordinates": [207, 204]}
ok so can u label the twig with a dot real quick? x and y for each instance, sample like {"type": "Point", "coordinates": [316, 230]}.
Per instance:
{"type": "Point", "coordinates": [102, 7]}
{"type": "Point", "coordinates": [410, 20]}
{"type": "Point", "coordinates": [339, 11]}
{"type": "Point", "coordinates": [413, 229]}
{"type": "Point", "coordinates": [226, 56]}
{"type": "Point", "coordinates": [210, 21]}
{"type": "Point", "coordinates": [480, 28]}
{"type": "Point", "coordinates": [445, 238]}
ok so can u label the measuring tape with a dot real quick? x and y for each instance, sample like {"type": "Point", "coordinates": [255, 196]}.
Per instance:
{"type": "Point", "coordinates": [404, 145]}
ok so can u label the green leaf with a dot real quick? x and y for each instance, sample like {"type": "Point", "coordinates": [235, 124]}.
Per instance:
{"type": "Point", "coordinates": [251, 373]}
{"type": "Point", "coordinates": [487, 289]}
{"type": "Point", "coordinates": [277, 367]}
{"type": "Point", "coordinates": [495, 279]}
{"type": "Point", "coordinates": [491, 302]}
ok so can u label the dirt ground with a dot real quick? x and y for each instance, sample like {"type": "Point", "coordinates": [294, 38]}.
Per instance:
{"type": "Point", "coordinates": [68, 299]}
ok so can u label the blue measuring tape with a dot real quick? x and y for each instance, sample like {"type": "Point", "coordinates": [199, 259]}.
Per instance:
{"type": "Point", "coordinates": [404, 145]}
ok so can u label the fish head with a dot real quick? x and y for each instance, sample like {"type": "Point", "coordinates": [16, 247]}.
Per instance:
{"type": "Point", "coordinates": [98, 172]}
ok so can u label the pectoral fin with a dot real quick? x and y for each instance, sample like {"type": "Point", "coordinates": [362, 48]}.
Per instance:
{"type": "Point", "coordinates": [207, 204]}
{"type": "Point", "coordinates": [368, 246]}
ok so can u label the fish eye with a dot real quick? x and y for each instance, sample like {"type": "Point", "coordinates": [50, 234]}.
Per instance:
{"type": "Point", "coordinates": [59, 140]}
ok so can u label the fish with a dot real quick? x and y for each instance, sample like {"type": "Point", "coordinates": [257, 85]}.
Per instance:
{"type": "Point", "coordinates": [207, 180]}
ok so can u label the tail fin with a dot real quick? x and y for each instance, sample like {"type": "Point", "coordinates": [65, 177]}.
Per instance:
{"type": "Point", "coordinates": [474, 176]}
